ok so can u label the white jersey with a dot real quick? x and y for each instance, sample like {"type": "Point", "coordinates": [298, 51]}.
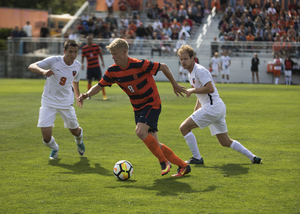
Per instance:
{"type": "Point", "coordinates": [225, 61]}
{"type": "Point", "coordinates": [58, 89]}
{"type": "Point", "coordinates": [215, 64]}
{"type": "Point", "coordinates": [198, 78]}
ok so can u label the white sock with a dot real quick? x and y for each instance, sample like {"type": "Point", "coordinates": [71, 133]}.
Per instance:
{"type": "Point", "coordinates": [276, 80]}
{"type": "Point", "coordinates": [223, 80]}
{"type": "Point", "coordinates": [192, 143]}
{"type": "Point", "coordinates": [78, 139]}
{"type": "Point", "coordinates": [215, 79]}
{"type": "Point", "coordinates": [287, 81]}
{"type": "Point", "coordinates": [227, 80]}
{"type": "Point", "coordinates": [240, 148]}
{"type": "Point", "coordinates": [52, 144]}
{"type": "Point", "coordinates": [290, 80]}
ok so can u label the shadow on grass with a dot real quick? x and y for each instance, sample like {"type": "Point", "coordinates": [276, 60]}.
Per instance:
{"type": "Point", "coordinates": [81, 167]}
{"type": "Point", "coordinates": [169, 187]}
{"type": "Point", "coordinates": [231, 169]}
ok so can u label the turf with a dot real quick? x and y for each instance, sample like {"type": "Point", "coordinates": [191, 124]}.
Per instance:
{"type": "Point", "coordinates": [264, 118]}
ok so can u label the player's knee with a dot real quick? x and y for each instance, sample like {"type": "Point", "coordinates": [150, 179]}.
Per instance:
{"type": "Point", "coordinates": [46, 139]}
{"type": "Point", "coordinates": [141, 133]}
{"type": "Point", "coordinates": [184, 130]}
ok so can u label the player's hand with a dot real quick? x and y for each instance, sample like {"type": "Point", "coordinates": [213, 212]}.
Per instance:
{"type": "Point", "coordinates": [82, 66]}
{"type": "Point", "coordinates": [81, 98]}
{"type": "Point", "coordinates": [189, 92]}
{"type": "Point", "coordinates": [103, 65]}
{"type": "Point", "coordinates": [178, 89]}
{"type": "Point", "coordinates": [49, 73]}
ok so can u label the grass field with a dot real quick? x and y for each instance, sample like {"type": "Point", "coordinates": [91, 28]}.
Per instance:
{"type": "Point", "coordinates": [264, 118]}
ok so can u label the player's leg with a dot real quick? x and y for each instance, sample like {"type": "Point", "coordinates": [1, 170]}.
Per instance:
{"type": "Point", "coordinates": [257, 78]}
{"type": "Point", "coordinates": [186, 130]}
{"type": "Point", "coordinates": [70, 121]}
{"type": "Point", "coordinates": [252, 76]}
{"type": "Point", "coordinates": [46, 121]}
{"type": "Point", "coordinates": [227, 77]}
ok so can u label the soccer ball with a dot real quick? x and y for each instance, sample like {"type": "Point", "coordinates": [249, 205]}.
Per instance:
{"type": "Point", "coordinates": [123, 170]}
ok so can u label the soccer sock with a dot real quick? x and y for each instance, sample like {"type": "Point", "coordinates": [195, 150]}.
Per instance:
{"type": "Point", "coordinates": [290, 81]}
{"type": "Point", "coordinates": [103, 91]}
{"type": "Point", "coordinates": [240, 148]}
{"type": "Point", "coordinates": [89, 86]}
{"type": "Point", "coordinates": [153, 146]}
{"type": "Point", "coordinates": [78, 139]}
{"type": "Point", "coordinates": [276, 80]}
{"type": "Point", "coordinates": [170, 155]}
{"type": "Point", "coordinates": [192, 143]}
{"type": "Point", "coordinates": [286, 80]}
{"type": "Point", "coordinates": [52, 144]}
{"type": "Point", "coordinates": [223, 80]}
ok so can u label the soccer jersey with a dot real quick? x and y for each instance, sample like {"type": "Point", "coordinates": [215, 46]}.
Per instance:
{"type": "Point", "coordinates": [58, 89]}
{"type": "Point", "coordinates": [91, 53]}
{"type": "Point", "coordinates": [215, 64]}
{"type": "Point", "coordinates": [225, 61]}
{"type": "Point", "coordinates": [198, 78]}
{"type": "Point", "coordinates": [137, 81]}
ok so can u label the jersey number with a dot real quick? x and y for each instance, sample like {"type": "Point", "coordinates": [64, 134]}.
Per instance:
{"type": "Point", "coordinates": [63, 81]}
{"type": "Point", "coordinates": [130, 88]}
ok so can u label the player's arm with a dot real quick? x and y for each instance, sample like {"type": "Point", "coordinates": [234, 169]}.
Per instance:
{"type": "Point", "coordinates": [229, 63]}
{"type": "Point", "coordinates": [221, 65]}
{"type": "Point", "coordinates": [94, 90]}
{"type": "Point", "coordinates": [101, 57]}
{"type": "Point", "coordinates": [82, 62]}
{"type": "Point", "coordinates": [178, 89]}
{"type": "Point", "coordinates": [76, 92]}
{"type": "Point", "coordinates": [198, 105]}
{"type": "Point", "coordinates": [34, 68]}
{"type": "Point", "coordinates": [208, 88]}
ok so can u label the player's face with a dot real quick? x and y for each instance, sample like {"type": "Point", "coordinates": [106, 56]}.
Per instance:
{"type": "Point", "coordinates": [186, 61]}
{"type": "Point", "coordinates": [70, 54]}
{"type": "Point", "coordinates": [89, 40]}
{"type": "Point", "coordinates": [119, 57]}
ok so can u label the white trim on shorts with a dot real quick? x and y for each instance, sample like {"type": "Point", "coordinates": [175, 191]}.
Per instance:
{"type": "Point", "coordinates": [47, 117]}
{"type": "Point", "coordinates": [212, 116]}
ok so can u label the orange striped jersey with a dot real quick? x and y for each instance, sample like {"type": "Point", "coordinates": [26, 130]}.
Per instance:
{"type": "Point", "coordinates": [91, 53]}
{"type": "Point", "coordinates": [137, 81]}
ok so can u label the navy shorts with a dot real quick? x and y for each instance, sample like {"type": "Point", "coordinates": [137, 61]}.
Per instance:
{"type": "Point", "coordinates": [149, 116]}
{"type": "Point", "coordinates": [94, 73]}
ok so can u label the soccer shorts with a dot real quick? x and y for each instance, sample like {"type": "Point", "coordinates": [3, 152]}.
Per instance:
{"type": "Point", "coordinates": [149, 116]}
{"type": "Point", "coordinates": [225, 71]}
{"type": "Point", "coordinates": [277, 73]}
{"type": "Point", "coordinates": [288, 73]}
{"type": "Point", "coordinates": [214, 71]}
{"type": "Point", "coordinates": [47, 117]}
{"type": "Point", "coordinates": [94, 73]}
{"type": "Point", "coordinates": [212, 116]}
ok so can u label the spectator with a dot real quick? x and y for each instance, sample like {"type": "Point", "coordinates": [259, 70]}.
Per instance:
{"type": "Point", "coordinates": [179, 43]}
{"type": "Point", "coordinates": [156, 23]}
{"type": "Point", "coordinates": [150, 31]}
{"type": "Point", "coordinates": [72, 36]}
{"type": "Point", "coordinates": [141, 34]}
{"type": "Point", "coordinates": [132, 26]}
{"type": "Point", "coordinates": [135, 6]}
{"type": "Point", "coordinates": [267, 5]}
{"type": "Point", "coordinates": [156, 11]}
{"type": "Point", "coordinates": [28, 30]}
{"type": "Point", "coordinates": [175, 34]}
{"type": "Point", "coordinates": [164, 15]}
{"type": "Point", "coordinates": [156, 45]}
{"type": "Point", "coordinates": [85, 17]}
{"type": "Point", "coordinates": [272, 10]}
{"type": "Point", "coordinates": [123, 7]}
{"type": "Point", "coordinates": [44, 32]}
{"type": "Point", "coordinates": [110, 6]}
{"type": "Point", "coordinates": [149, 11]}
{"type": "Point", "coordinates": [166, 45]}
{"type": "Point", "coordinates": [250, 38]}
{"type": "Point", "coordinates": [254, 67]}
{"type": "Point", "coordinates": [216, 4]}
{"type": "Point", "coordinates": [182, 13]}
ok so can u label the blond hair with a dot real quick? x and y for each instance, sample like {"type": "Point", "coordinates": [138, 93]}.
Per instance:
{"type": "Point", "coordinates": [118, 44]}
{"type": "Point", "coordinates": [186, 49]}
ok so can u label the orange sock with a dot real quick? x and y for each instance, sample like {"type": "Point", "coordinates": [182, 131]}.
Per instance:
{"type": "Point", "coordinates": [103, 91]}
{"type": "Point", "coordinates": [89, 86]}
{"type": "Point", "coordinates": [153, 146]}
{"type": "Point", "coordinates": [170, 155]}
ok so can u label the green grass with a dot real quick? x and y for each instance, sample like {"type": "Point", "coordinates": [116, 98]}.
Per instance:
{"type": "Point", "coordinates": [264, 118]}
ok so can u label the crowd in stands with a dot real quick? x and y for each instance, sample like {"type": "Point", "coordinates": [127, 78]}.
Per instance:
{"type": "Point", "coordinates": [163, 23]}
{"type": "Point", "coordinates": [268, 23]}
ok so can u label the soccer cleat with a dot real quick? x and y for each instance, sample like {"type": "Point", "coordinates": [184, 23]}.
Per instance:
{"type": "Point", "coordinates": [165, 168]}
{"type": "Point", "coordinates": [53, 154]}
{"type": "Point", "coordinates": [257, 160]}
{"type": "Point", "coordinates": [104, 97]}
{"type": "Point", "coordinates": [182, 171]}
{"type": "Point", "coordinates": [193, 160]}
{"type": "Point", "coordinates": [81, 148]}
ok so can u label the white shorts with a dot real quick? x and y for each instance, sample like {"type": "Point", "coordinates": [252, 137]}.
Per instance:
{"type": "Point", "coordinates": [47, 117]}
{"type": "Point", "coordinates": [225, 71]}
{"type": "Point", "coordinates": [212, 116]}
{"type": "Point", "coordinates": [214, 71]}
{"type": "Point", "coordinates": [288, 73]}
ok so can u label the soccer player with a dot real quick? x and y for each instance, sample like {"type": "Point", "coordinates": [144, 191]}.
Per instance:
{"type": "Point", "coordinates": [225, 63]}
{"type": "Point", "coordinates": [135, 77]}
{"type": "Point", "coordinates": [215, 66]}
{"type": "Point", "coordinates": [278, 62]}
{"type": "Point", "coordinates": [210, 110]}
{"type": "Point", "coordinates": [63, 77]}
{"type": "Point", "coordinates": [92, 52]}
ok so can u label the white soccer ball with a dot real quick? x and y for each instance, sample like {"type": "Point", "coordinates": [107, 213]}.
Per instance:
{"type": "Point", "coordinates": [123, 170]}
